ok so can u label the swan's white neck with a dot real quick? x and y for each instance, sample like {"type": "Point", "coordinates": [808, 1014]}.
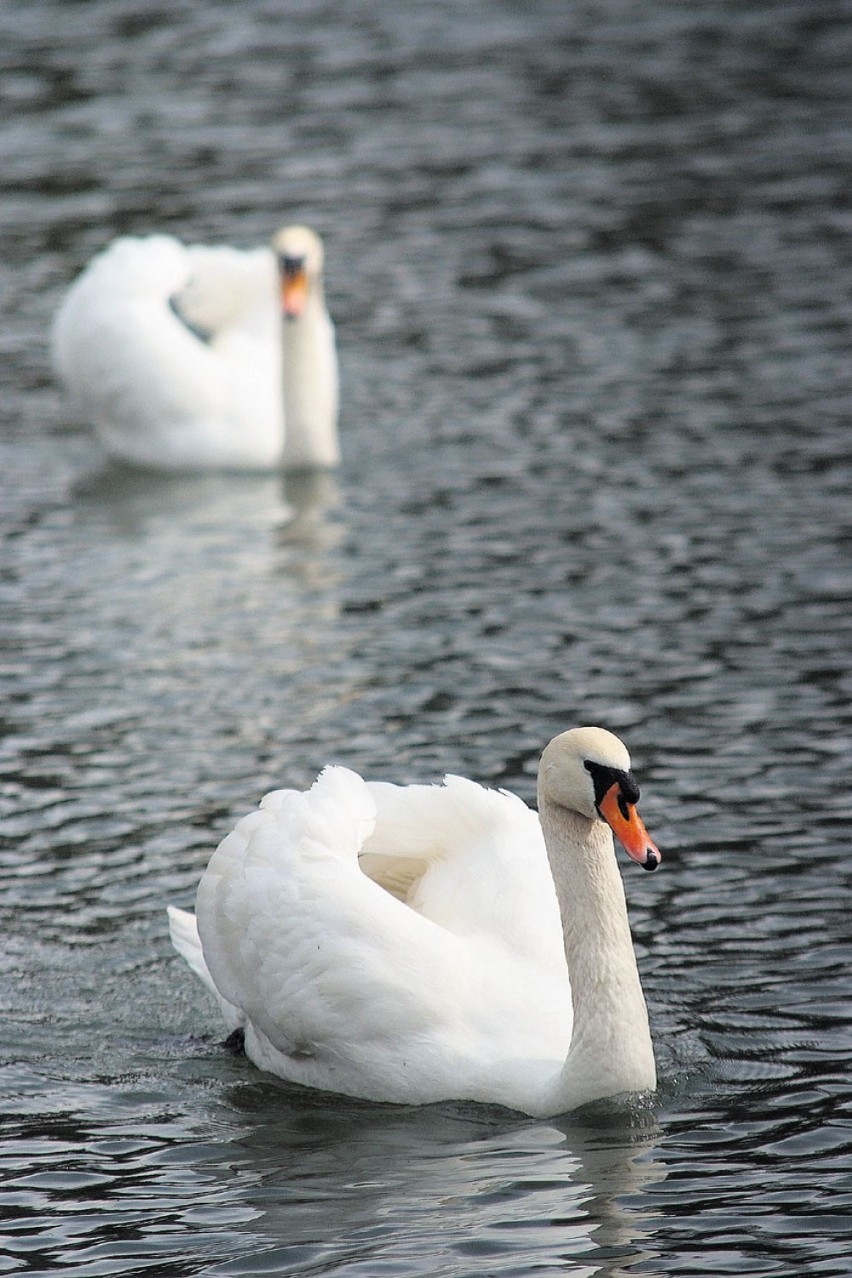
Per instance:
{"type": "Point", "coordinates": [310, 387]}
{"type": "Point", "coordinates": [611, 1049]}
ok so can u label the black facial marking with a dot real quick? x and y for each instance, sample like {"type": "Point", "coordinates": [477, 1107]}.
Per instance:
{"type": "Point", "coordinates": [604, 778]}
{"type": "Point", "coordinates": [290, 265]}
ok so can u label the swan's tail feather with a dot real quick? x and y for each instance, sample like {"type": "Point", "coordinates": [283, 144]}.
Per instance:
{"type": "Point", "coordinates": [183, 931]}
{"type": "Point", "coordinates": [184, 935]}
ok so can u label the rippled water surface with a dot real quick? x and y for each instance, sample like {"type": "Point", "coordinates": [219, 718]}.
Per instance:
{"type": "Point", "coordinates": [590, 267]}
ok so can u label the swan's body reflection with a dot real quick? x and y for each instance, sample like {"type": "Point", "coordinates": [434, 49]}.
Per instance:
{"type": "Point", "coordinates": [443, 1190]}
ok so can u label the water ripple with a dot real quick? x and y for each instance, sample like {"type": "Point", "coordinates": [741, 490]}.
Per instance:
{"type": "Point", "coordinates": [589, 269]}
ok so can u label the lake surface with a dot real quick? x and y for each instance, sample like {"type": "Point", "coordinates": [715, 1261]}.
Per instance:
{"type": "Point", "coordinates": [590, 268]}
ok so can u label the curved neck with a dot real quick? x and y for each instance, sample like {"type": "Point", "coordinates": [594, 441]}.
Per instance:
{"type": "Point", "coordinates": [611, 1050]}
{"type": "Point", "coordinates": [310, 387]}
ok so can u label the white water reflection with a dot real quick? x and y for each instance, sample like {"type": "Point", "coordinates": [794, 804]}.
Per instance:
{"type": "Point", "coordinates": [446, 1192]}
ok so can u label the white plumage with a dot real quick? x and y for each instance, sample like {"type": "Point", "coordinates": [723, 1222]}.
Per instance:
{"type": "Point", "coordinates": [187, 357]}
{"type": "Point", "coordinates": [409, 943]}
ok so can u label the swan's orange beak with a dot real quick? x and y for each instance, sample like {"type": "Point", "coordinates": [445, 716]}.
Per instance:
{"type": "Point", "coordinates": [628, 827]}
{"type": "Point", "coordinates": [294, 289]}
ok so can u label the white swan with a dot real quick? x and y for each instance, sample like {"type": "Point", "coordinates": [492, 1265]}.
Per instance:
{"type": "Point", "coordinates": [405, 943]}
{"type": "Point", "coordinates": [187, 356]}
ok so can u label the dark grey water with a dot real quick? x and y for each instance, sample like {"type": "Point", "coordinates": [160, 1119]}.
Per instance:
{"type": "Point", "coordinates": [590, 266]}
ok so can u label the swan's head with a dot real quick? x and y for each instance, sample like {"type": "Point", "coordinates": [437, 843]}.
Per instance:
{"type": "Point", "coordinates": [588, 771]}
{"type": "Point", "coordinates": [299, 253]}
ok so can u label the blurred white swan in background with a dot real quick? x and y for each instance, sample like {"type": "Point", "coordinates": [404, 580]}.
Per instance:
{"type": "Point", "coordinates": [424, 943]}
{"type": "Point", "coordinates": [190, 357]}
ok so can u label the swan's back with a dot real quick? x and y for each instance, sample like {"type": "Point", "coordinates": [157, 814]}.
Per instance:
{"type": "Point", "coordinates": [408, 993]}
{"type": "Point", "coordinates": [174, 353]}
